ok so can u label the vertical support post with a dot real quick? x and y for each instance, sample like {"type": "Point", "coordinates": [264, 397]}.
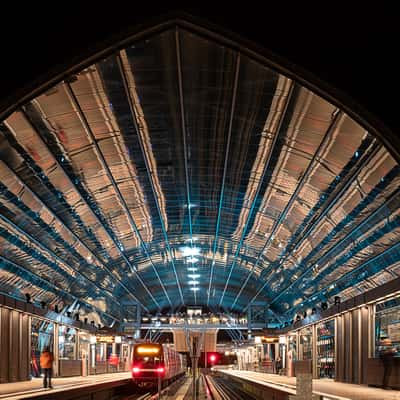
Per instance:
{"type": "Point", "coordinates": [159, 386]}
{"type": "Point", "coordinates": [138, 313]}
{"type": "Point", "coordinates": [56, 347]}
{"type": "Point", "coordinates": [249, 317]}
{"type": "Point", "coordinates": [371, 330]}
{"type": "Point", "coordinates": [194, 366]}
{"type": "Point", "coordinates": [138, 320]}
{"type": "Point", "coordinates": [314, 352]}
{"type": "Point", "coordinates": [303, 380]}
{"type": "Point", "coordinates": [359, 346]}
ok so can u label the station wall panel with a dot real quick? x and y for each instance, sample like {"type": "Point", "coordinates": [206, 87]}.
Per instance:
{"type": "Point", "coordinates": [14, 345]}
{"type": "Point", "coordinates": [4, 343]}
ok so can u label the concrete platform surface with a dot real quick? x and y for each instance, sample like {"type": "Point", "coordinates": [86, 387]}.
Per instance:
{"type": "Point", "coordinates": [20, 390]}
{"type": "Point", "coordinates": [327, 386]}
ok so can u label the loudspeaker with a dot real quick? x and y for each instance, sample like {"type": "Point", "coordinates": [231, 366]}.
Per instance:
{"type": "Point", "coordinates": [337, 300]}
{"type": "Point", "coordinates": [69, 314]}
{"type": "Point", "coordinates": [324, 305]}
{"type": "Point", "coordinates": [56, 308]}
{"type": "Point", "coordinates": [28, 297]}
{"type": "Point", "coordinates": [43, 304]}
{"type": "Point", "coordinates": [85, 320]}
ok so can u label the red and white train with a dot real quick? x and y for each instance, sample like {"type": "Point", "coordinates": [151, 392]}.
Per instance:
{"type": "Point", "coordinates": [153, 360]}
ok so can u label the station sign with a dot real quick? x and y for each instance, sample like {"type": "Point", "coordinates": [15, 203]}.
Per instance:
{"type": "Point", "coordinates": [267, 339]}
{"type": "Point", "coordinates": [105, 339]}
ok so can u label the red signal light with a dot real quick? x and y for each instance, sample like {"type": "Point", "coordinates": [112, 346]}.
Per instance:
{"type": "Point", "coordinates": [213, 358]}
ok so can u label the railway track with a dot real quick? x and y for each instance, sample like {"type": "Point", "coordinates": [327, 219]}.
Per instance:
{"type": "Point", "coordinates": [153, 395]}
{"type": "Point", "coordinates": [221, 388]}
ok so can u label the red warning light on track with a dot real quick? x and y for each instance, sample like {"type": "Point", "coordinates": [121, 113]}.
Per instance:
{"type": "Point", "coordinates": [213, 358]}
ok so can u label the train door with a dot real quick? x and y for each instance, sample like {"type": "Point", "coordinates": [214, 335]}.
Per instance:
{"type": "Point", "coordinates": [92, 358]}
{"type": "Point", "coordinates": [125, 356]}
{"type": "Point", "coordinates": [85, 361]}
{"type": "Point", "coordinates": [83, 353]}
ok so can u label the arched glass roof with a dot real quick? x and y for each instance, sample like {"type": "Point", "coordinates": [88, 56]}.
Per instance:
{"type": "Point", "coordinates": [180, 171]}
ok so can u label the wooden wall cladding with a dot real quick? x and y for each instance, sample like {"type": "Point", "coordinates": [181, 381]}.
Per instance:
{"type": "Point", "coordinates": [14, 346]}
{"type": "Point", "coordinates": [352, 346]}
{"type": "Point", "coordinates": [4, 343]}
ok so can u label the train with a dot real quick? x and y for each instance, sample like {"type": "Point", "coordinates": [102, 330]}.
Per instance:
{"type": "Point", "coordinates": [153, 361]}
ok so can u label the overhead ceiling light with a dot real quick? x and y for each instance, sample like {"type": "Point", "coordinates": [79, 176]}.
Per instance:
{"type": "Point", "coordinates": [194, 276]}
{"type": "Point", "coordinates": [195, 289]}
{"type": "Point", "coordinates": [192, 260]}
{"type": "Point", "coordinates": [193, 282]}
{"type": "Point", "coordinates": [192, 269]}
{"type": "Point", "coordinates": [190, 251]}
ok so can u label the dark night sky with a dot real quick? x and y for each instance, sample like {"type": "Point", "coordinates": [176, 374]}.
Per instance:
{"type": "Point", "coordinates": [353, 49]}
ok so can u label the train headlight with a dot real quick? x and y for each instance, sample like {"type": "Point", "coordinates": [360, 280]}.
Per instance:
{"type": "Point", "coordinates": [160, 370]}
{"type": "Point", "coordinates": [135, 370]}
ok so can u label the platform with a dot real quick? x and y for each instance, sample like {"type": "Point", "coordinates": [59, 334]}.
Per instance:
{"type": "Point", "coordinates": [34, 388]}
{"type": "Point", "coordinates": [320, 386]}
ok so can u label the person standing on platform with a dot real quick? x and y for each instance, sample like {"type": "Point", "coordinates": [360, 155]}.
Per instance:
{"type": "Point", "coordinates": [278, 365]}
{"type": "Point", "coordinates": [46, 363]}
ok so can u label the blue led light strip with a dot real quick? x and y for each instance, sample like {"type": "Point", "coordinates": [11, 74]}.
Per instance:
{"type": "Point", "coordinates": [183, 123]}
{"type": "Point", "coordinates": [221, 198]}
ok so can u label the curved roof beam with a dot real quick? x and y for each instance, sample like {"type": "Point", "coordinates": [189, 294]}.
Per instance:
{"type": "Point", "coordinates": [265, 169]}
{"type": "Point", "coordinates": [44, 206]}
{"type": "Point", "coordinates": [134, 106]}
{"type": "Point", "coordinates": [335, 121]}
{"type": "Point", "coordinates": [221, 196]}
{"type": "Point", "coordinates": [110, 176]}
{"type": "Point", "coordinates": [55, 287]}
{"type": "Point", "coordinates": [367, 157]}
{"type": "Point", "coordinates": [301, 235]}
{"type": "Point", "coordinates": [325, 256]}
{"type": "Point", "coordinates": [394, 248]}
{"type": "Point", "coordinates": [55, 257]}
{"type": "Point", "coordinates": [73, 184]}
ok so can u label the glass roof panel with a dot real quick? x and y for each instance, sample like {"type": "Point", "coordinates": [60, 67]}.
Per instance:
{"type": "Point", "coordinates": [179, 155]}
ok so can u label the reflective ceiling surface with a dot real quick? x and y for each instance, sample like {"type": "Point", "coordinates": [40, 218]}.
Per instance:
{"type": "Point", "coordinates": [179, 171]}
